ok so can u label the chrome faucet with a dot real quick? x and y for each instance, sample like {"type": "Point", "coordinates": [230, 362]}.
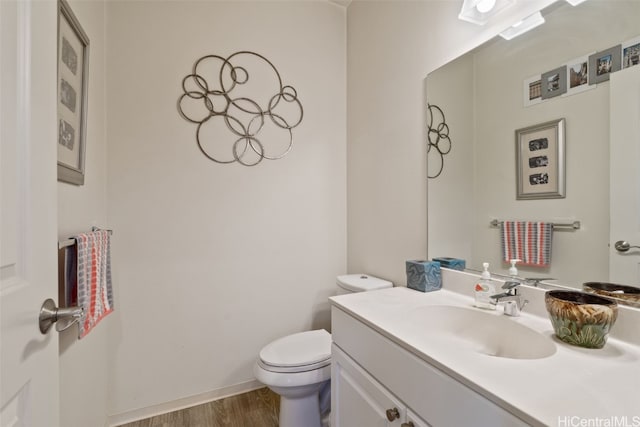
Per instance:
{"type": "Point", "coordinates": [514, 302]}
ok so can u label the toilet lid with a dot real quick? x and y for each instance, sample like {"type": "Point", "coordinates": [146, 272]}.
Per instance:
{"type": "Point", "coordinates": [304, 348]}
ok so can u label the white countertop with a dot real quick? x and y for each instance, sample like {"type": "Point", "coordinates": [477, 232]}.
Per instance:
{"type": "Point", "coordinates": [574, 385]}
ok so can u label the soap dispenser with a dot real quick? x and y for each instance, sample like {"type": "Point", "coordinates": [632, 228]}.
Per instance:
{"type": "Point", "coordinates": [484, 289]}
{"type": "Point", "coordinates": [513, 271]}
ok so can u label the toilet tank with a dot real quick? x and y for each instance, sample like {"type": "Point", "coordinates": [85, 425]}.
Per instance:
{"type": "Point", "coordinates": [349, 283]}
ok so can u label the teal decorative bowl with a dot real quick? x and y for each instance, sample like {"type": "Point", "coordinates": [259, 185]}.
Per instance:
{"type": "Point", "coordinates": [581, 319]}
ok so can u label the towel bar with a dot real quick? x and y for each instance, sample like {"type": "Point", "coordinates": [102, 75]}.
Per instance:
{"type": "Point", "coordinates": [72, 241]}
{"type": "Point", "coordinates": [574, 225]}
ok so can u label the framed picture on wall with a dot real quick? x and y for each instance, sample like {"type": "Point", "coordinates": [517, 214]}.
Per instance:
{"type": "Point", "coordinates": [554, 82]}
{"type": "Point", "coordinates": [73, 73]}
{"type": "Point", "coordinates": [532, 90]}
{"type": "Point", "coordinates": [631, 53]}
{"type": "Point", "coordinates": [603, 63]}
{"type": "Point", "coordinates": [578, 75]}
{"type": "Point", "coordinates": [540, 161]}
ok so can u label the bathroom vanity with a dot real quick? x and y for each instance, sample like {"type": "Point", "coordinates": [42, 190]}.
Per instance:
{"type": "Point", "coordinates": [406, 358]}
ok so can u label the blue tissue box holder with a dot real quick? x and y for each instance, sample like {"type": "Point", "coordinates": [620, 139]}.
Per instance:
{"type": "Point", "coordinates": [424, 276]}
{"type": "Point", "coordinates": [452, 263]}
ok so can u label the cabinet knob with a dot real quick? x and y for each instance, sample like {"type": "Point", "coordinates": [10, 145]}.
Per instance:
{"type": "Point", "coordinates": [393, 414]}
{"type": "Point", "coordinates": [407, 424]}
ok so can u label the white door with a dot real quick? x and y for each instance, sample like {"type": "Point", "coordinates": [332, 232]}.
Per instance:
{"type": "Point", "coordinates": [28, 214]}
{"type": "Point", "coordinates": [624, 267]}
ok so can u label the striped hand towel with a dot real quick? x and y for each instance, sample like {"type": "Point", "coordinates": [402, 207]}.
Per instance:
{"type": "Point", "coordinates": [95, 295]}
{"type": "Point", "coordinates": [527, 241]}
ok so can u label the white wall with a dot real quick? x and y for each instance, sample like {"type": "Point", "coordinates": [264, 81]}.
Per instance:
{"type": "Point", "coordinates": [392, 46]}
{"type": "Point", "coordinates": [211, 261]}
{"type": "Point", "coordinates": [83, 363]}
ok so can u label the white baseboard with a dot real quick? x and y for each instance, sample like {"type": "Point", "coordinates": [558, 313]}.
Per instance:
{"type": "Point", "coordinates": [185, 402]}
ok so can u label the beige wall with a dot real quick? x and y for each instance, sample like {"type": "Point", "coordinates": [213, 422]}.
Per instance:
{"type": "Point", "coordinates": [392, 46]}
{"type": "Point", "coordinates": [212, 262]}
{"type": "Point", "coordinates": [83, 363]}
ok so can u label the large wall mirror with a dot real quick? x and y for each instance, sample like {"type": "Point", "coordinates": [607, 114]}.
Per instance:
{"type": "Point", "coordinates": [482, 96]}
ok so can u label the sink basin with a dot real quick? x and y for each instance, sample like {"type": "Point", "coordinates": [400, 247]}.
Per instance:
{"type": "Point", "coordinates": [487, 333]}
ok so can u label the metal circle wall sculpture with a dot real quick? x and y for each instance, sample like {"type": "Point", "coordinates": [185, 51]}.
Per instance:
{"type": "Point", "coordinates": [215, 92]}
{"type": "Point", "coordinates": [438, 136]}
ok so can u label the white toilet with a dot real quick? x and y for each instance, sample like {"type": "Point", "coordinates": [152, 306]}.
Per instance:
{"type": "Point", "coordinates": [298, 366]}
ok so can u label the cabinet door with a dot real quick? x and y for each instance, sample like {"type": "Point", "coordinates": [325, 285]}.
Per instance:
{"type": "Point", "coordinates": [359, 400]}
{"type": "Point", "coordinates": [414, 421]}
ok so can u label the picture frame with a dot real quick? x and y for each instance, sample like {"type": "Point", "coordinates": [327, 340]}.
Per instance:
{"type": "Point", "coordinates": [578, 75]}
{"type": "Point", "coordinates": [603, 63]}
{"type": "Point", "coordinates": [554, 82]}
{"type": "Point", "coordinates": [532, 90]}
{"type": "Point", "coordinates": [72, 84]}
{"type": "Point", "coordinates": [540, 161]}
{"type": "Point", "coordinates": [631, 53]}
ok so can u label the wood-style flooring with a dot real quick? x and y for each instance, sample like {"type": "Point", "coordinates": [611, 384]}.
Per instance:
{"type": "Point", "coordinates": [258, 408]}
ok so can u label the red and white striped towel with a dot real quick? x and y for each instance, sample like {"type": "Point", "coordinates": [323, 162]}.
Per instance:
{"type": "Point", "coordinates": [528, 241]}
{"type": "Point", "coordinates": [95, 295]}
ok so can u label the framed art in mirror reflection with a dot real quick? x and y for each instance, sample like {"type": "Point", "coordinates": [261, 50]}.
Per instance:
{"type": "Point", "coordinates": [540, 161]}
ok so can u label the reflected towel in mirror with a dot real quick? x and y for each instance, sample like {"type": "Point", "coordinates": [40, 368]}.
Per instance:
{"type": "Point", "coordinates": [528, 241]}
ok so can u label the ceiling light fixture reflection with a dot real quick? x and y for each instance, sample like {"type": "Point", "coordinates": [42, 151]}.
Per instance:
{"type": "Point", "coordinates": [523, 26]}
{"type": "Point", "coordinates": [481, 11]}
{"type": "Point", "coordinates": [485, 6]}
{"type": "Point", "coordinates": [575, 2]}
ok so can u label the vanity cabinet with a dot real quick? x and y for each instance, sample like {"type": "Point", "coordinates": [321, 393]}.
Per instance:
{"type": "Point", "coordinates": [359, 400]}
{"type": "Point", "coordinates": [414, 421]}
{"type": "Point", "coordinates": [372, 374]}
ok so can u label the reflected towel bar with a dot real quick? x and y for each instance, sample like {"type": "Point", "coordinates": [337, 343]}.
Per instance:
{"type": "Point", "coordinates": [575, 225]}
{"type": "Point", "coordinates": [72, 241]}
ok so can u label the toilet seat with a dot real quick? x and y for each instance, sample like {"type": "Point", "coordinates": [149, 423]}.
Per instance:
{"type": "Point", "coordinates": [294, 369]}
{"type": "Point", "coordinates": [301, 352]}
{"type": "Point", "coordinates": [291, 379]}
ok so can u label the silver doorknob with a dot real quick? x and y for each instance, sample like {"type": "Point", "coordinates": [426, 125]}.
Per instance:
{"type": "Point", "coordinates": [393, 414]}
{"type": "Point", "coordinates": [50, 314]}
{"type": "Point", "coordinates": [623, 246]}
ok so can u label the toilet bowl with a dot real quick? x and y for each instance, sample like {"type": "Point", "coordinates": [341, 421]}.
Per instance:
{"type": "Point", "coordinates": [298, 366]}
